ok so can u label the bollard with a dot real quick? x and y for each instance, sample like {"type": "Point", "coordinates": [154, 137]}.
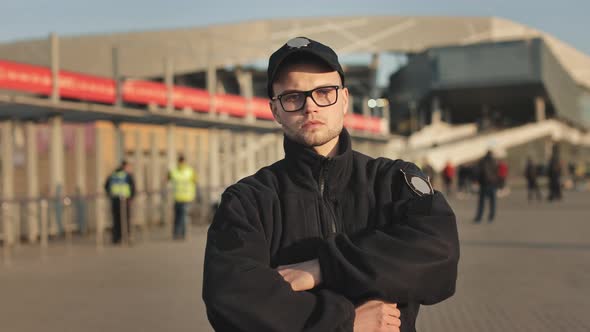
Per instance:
{"type": "Point", "coordinates": [99, 223]}
{"type": "Point", "coordinates": [44, 223]}
{"type": "Point", "coordinates": [143, 208]}
{"type": "Point", "coordinates": [67, 225]}
{"type": "Point", "coordinates": [7, 234]}
{"type": "Point", "coordinates": [15, 215]}
{"type": "Point", "coordinates": [7, 226]}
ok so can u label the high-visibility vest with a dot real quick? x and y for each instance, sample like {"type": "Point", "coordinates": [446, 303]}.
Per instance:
{"type": "Point", "coordinates": [118, 185]}
{"type": "Point", "coordinates": [183, 181]}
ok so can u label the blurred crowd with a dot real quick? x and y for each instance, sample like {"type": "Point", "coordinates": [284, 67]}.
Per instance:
{"type": "Point", "coordinates": [551, 177]}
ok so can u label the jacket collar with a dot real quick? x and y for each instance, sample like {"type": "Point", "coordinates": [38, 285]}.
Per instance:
{"type": "Point", "coordinates": [305, 165]}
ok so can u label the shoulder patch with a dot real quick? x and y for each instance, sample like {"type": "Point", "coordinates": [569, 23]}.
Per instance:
{"type": "Point", "coordinates": [418, 183]}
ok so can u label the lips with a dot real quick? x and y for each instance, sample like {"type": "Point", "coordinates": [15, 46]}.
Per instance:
{"type": "Point", "coordinates": [312, 123]}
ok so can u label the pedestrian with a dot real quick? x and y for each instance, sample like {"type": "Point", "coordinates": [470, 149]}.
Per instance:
{"type": "Point", "coordinates": [503, 190]}
{"type": "Point", "coordinates": [120, 188]}
{"type": "Point", "coordinates": [531, 174]}
{"type": "Point", "coordinates": [487, 177]}
{"type": "Point", "coordinates": [448, 176]}
{"type": "Point", "coordinates": [326, 239]}
{"type": "Point", "coordinates": [184, 186]}
{"type": "Point", "coordinates": [429, 172]}
{"type": "Point", "coordinates": [554, 170]}
{"type": "Point", "coordinates": [580, 175]}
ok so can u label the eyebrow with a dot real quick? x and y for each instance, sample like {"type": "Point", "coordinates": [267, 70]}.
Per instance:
{"type": "Point", "coordinates": [317, 87]}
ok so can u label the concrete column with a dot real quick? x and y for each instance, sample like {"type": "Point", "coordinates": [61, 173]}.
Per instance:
{"type": "Point", "coordinates": [155, 178]}
{"type": "Point", "coordinates": [139, 202]}
{"type": "Point", "coordinates": [373, 67]}
{"type": "Point", "coordinates": [238, 156]}
{"type": "Point", "coordinates": [485, 117]}
{"type": "Point", "coordinates": [56, 171]}
{"type": "Point", "coordinates": [448, 117]}
{"type": "Point", "coordinates": [7, 171]}
{"type": "Point", "coordinates": [188, 148]}
{"type": "Point", "coordinates": [250, 158]}
{"type": "Point", "coordinates": [100, 175]}
{"type": "Point", "coordinates": [412, 105]}
{"type": "Point", "coordinates": [80, 156]}
{"type": "Point", "coordinates": [540, 109]}
{"type": "Point", "coordinates": [169, 81]}
{"type": "Point", "coordinates": [436, 112]}
{"type": "Point", "coordinates": [214, 166]}
{"type": "Point", "coordinates": [119, 144]}
{"type": "Point", "coordinates": [32, 181]}
{"type": "Point", "coordinates": [171, 155]}
{"type": "Point", "coordinates": [56, 158]}
{"type": "Point", "coordinates": [269, 148]}
{"type": "Point", "coordinates": [117, 76]}
{"type": "Point", "coordinates": [212, 89]}
{"type": "Point", "coordinates": [139, 163]}
{"type": "Point", "coordinates": [228, 158]}
{"type": "Point", "coordinates": [203, 176]}
{"type": "Point", "coordinates": [386, 114]}
{"type": "Point", "coordinates": [54, 59]}
{"type": "Point", "coordinates": [170, 146]}
{"type": "Point", "coordinates": [247, 91]}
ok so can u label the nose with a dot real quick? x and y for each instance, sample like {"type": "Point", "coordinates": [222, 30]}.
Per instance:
{"type": "Point", "coordinates": [310, 105]}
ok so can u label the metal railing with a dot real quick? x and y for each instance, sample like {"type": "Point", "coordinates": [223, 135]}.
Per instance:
{"type": "Point", "coordinates": [62, 219]}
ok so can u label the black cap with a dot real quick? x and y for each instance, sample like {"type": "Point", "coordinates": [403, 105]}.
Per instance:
{"type": "Point", "coordinates": [301, 45]}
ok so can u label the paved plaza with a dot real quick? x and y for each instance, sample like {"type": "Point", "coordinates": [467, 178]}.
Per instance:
{"type": "Point", "coordinates": [527, 271]}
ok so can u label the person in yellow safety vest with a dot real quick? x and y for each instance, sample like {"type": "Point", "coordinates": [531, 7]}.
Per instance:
{"type": "Point", "coordinates": [184, 182]}
{"type": "Point", "coordinates": [120, 188]}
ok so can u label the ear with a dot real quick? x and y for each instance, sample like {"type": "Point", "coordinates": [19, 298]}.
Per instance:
{"type": "Point", "coordinates": [345, 99]}
{"type": "Point", "coordinates": [275, 112]}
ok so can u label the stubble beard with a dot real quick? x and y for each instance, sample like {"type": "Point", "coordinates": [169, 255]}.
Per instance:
{"type": "Point", "coordinates": [314, 138]}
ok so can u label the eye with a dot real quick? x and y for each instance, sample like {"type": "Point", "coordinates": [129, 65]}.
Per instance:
{"type": "Point", "coordinates": [324, 91]}
{"type": "Point", "coordinates": [291, 97]}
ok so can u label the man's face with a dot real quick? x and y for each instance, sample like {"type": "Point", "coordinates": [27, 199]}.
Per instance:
{"type": "Point", "coordinates": [313, 125]}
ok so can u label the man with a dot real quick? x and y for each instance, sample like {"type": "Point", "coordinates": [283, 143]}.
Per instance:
{"type": "Point", "coordinates": [531, 173]}
{"type": "Point", "coordinates": [487, 176]}
{"type": "Point", "coordinates": [184, 183]}
{"type": "Point", "coordinates": [121, 189]}
{"type": "Point", "coordinates": [554, 174]}
{"type": "Point", "coordinates": [326, 239]}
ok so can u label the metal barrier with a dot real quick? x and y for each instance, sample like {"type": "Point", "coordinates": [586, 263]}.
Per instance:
{"type": "Point", "coordinates": [47, 219]}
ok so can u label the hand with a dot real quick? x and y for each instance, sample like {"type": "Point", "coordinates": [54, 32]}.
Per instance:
{"type": "Point", "coordinates": [302, 276]}
{"type": "Point", "coordinates": [375, 315]}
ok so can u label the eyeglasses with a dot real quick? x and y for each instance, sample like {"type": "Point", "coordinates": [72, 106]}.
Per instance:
{"type": "Point", "coordinates": [322, 96]}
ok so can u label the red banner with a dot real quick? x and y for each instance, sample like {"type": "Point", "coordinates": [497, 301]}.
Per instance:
{"type": "Point", "coordinates": [86, 87]}
{"type": "Point", "coordinates": [37, 79]}
{"type": "Point", "coordinates": [261, 108]}
{"type": "Point", "coordinates": [144, 92]}
{"type": "Point", "coordinates": [231, 104]}
{"type": "Point", "coordinates": [21, 77]}
{"type": "Point", "coordinates": [359, 122]}
{"type": "Point", "coordinates": [196, 99]}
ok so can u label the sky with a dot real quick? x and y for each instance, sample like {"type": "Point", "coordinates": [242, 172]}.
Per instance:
{"type": "Point", "coordinates": [568, 20]}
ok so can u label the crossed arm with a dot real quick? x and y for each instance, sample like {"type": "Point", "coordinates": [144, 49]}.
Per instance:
{"type": "Point", "coordinates": [236, 273]}
{"type": "Point", "coordinates": [374, 315]}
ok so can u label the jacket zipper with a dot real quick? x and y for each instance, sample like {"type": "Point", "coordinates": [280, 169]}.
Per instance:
{"type": "Point", "coordinates": [322, 185]}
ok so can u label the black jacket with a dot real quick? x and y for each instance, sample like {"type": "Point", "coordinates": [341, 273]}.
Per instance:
{"type": "Point", "coordinates": [128, 179]}
{"type": "Point", "coordinates": [374, 236]}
